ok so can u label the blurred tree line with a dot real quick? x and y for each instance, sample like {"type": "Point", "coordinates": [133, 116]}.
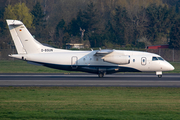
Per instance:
{"type": "Point", "coordinates": [100, 23]}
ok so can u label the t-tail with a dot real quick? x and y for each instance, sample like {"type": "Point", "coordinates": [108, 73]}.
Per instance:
{"type": "Point", "coordinates": [23, 40]}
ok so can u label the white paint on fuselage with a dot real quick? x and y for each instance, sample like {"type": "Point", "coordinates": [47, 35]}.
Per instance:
{"type": "Point", "coordinates": [87, 58]}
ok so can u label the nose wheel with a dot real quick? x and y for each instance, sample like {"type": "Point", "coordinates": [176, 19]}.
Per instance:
{"type": "Point", "coordinates": [159, 76]}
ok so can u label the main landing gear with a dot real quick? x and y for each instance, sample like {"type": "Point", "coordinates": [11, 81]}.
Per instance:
{"type": "Point", "coordinates": [101, 74]}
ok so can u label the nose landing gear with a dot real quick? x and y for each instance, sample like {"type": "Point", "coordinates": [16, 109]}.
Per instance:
{"type": "Point", "coordinates": [159, 74]}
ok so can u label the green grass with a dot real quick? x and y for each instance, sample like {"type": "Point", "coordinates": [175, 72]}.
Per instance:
{"type": "Point", "coordinates": [89, 103]}
{"type": "Point", "coordinates": [19, 66]}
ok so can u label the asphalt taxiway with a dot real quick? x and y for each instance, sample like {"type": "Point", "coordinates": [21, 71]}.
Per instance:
{"type": "Point", "coordinates": [83, 79]}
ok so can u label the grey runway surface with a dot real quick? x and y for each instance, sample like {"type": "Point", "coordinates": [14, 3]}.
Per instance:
{"type": "Point", "coordinates": [83, 79]}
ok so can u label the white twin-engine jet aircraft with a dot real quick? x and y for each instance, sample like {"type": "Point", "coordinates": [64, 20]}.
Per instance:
{"type": "Point", "coordinates": [99, 62]}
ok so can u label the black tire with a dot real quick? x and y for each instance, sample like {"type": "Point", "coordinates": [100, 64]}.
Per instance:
{"type": "Point", "coordinates": [101, 75]}
{"type": "Point", "coordinates": [159, 76]}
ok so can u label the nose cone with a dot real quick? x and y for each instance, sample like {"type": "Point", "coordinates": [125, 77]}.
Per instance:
{"type": "Point", "coordinates": [169, 67]}
{"type": "Point", "coordinates": [165, 66]}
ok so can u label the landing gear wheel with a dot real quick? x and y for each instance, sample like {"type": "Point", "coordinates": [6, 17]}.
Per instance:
{"type": "Point", "coordinates": [159, 76]}
{"type": "Point", "coordinates": [101, 75]}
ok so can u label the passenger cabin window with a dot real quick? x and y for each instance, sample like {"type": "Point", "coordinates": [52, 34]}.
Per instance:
{"type": "Point", "coordinates": [133, 60]}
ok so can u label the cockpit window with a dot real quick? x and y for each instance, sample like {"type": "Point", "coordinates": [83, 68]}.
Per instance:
{"type": "Point", "coordinates": [157, 58]}
{"type": "Point", "coordinates": [160, 58]}
{"type": "Point", "coordinates": [154, 58]}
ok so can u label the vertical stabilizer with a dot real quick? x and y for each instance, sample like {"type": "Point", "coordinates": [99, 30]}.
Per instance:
{"type": "Point", "coordinates": [23, 40]}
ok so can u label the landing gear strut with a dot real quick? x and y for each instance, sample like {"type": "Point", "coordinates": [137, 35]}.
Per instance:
{"type": "Point", "coordinates": [159, 74]}
{"type": "Point", "coordinates": [101, 72]}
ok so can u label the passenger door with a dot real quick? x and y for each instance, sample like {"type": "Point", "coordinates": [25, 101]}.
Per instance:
{"type": "Point", "coordinates": [143, 61]}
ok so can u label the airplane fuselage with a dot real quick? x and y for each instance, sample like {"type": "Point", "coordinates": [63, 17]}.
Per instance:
{"type": "Point", "coordinates": [88, 61]}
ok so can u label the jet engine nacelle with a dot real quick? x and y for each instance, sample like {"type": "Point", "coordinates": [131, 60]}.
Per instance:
{"type": "Point", "coordinates": [125, 59]}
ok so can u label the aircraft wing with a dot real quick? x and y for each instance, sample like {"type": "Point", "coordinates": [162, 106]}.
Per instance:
{"type": "Point", "coordinates": [103, 52]}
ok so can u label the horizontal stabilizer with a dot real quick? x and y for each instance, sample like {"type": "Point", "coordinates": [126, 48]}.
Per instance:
{"type": "Point", "coordinates": [14, 22]}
